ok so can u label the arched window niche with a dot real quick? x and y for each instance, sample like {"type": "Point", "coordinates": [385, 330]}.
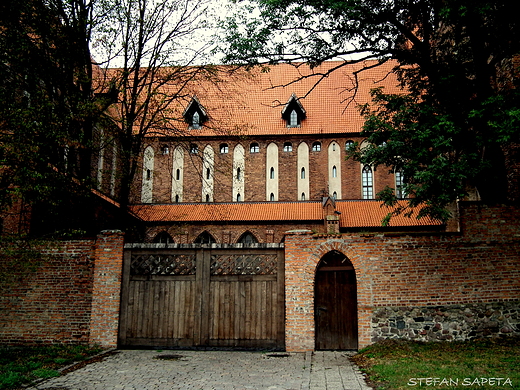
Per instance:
{"type": "Point", "coordinates": [247, 238]}
{"type": "Point", "coordinates": [205, 238]}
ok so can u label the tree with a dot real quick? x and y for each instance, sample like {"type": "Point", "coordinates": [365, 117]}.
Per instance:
{"type": "Point", "coordinates": [62, 104]}
{"type": "Point", "coordinates": [47, 106]}
{"type": "Point", "coordinates": [458, 119]}
{"type": "Point", "coordinates": [154, 47]}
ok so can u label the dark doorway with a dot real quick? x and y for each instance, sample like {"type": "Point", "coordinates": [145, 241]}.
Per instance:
{"type": "Point", "coordinates": [335, 303]}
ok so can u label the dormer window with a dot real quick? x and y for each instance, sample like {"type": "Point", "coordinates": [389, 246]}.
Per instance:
{"type": "Point", "coordinates": [195, 120]}
{"type": "Point", "coordinates": [293, 119]}
{"type": "Point", "coordinates": [293, 112]}
{"type": "Point", "coordinates": [195, 115]}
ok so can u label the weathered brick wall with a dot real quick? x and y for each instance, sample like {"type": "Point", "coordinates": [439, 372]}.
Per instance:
{"type": "Point", "coordinates": [69, 293]}
{"type": "Point", "coordinates": [477, 267]}
{"type": "Point", "coordinates": [48, 298]}
{"type": "Point", "coordinates": [255, 170]}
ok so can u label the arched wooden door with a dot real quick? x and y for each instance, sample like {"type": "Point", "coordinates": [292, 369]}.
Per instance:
{"type": "Point", "coordinates": [335, 303]}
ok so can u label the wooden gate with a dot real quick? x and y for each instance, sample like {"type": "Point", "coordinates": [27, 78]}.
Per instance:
{"type": "Point", "coordinates": [335, 300]}
{"type": "Point", "coordinates": [203, 296]}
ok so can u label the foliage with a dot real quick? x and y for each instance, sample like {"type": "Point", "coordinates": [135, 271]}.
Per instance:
{"type": "Point", "coordinates": [56, 117]}
{"type": "Point", "coordinates": [456, 61]}
{"type": "Point", "coordinates": [46, 105]}
{"type": "Point", "coordinates": [20, 365]}
{"type": "Point", "coordinates": [393, 364]}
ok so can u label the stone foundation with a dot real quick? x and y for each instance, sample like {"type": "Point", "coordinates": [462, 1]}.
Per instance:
{"type": "Point", "coordinates": [451, 322]}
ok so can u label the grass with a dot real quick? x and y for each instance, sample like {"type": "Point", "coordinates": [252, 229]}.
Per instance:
{"type": "Point", "coordinates": [392, 365]}
{"type": "Point", "coordinates": [21, 365]}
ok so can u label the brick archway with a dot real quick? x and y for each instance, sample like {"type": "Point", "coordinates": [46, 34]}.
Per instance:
{"type": "Point", "coordinates": [303, 252]}
{"type": "Point", "coordinates": [335, 245]}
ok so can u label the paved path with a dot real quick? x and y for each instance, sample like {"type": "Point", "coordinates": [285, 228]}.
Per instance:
{"type": "Point", "coordinates": [222, 370]}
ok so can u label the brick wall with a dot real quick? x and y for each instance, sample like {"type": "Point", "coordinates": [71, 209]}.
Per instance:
{"type": "Point", "coordinates": [48, 298]}
{"type": "Point", "coordinates": [68, 292]}
{"type": "Point", "coordinates": [229, 233]}
{"type": "Point", "coordinates": [480, 266]}
{"type": "Point", "coordinates": [418, 286]}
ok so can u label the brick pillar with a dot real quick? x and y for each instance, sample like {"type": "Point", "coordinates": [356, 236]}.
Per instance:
{"type": "Point", "coordinates": [106, 291]}
{"type": "Point", "coordinates": [364, 325]}
{"type": "Point", "coordinates": [299, 292]}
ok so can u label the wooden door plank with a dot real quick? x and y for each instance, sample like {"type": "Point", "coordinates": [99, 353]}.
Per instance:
{"type": "Point", "coordinates": [247, 311]}
{"type": "Point", "coordinates": [201, 327]}
{"type": "Point", "coordinates": [141, 319]}
{"type": "Point", "coordinates": [190, 309]}
{"type": "Point", "coordinates": [179, 307]}
{"type": "Point", "coordinates": [168, 310]}
{"type": "Point", "coordinates": [226, 287]}
{"type": "Point", "coordinates": [280, 274]}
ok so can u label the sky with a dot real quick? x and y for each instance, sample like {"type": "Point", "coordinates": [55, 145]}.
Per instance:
{"type": "Point", "coordinates": [198, 41]}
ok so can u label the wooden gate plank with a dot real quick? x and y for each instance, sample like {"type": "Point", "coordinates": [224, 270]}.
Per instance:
{"type": "Point", "coordinates": [176, 288]}
{"type": "Point", "coordinates": [237, 309]}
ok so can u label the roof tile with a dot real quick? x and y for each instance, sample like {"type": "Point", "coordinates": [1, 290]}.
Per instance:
{"type": "Point", "coordinates": [251, 103]}
{"type": "Point", "coordinates": [354, 214]}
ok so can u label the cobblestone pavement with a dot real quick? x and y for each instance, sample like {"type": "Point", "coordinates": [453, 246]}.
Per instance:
{"type": "Point", "coordinates": [222, 370]}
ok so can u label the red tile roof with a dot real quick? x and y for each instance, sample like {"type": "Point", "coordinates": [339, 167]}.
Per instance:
{"type": "Point", "coordinates": [354, 214]}
{"type": "Point", "coordinates": [251, 103]}
{"type": "Point", "coordinates": [370, 213]}
{"type": "Point", "coordinates": [225, 212]}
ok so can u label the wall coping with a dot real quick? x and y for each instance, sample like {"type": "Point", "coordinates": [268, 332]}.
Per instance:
{"type": "Point", "coordinates": [138, 245]}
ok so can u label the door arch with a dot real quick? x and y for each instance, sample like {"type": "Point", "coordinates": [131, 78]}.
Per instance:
{"type": "Point", "coordinates": [335, 303]}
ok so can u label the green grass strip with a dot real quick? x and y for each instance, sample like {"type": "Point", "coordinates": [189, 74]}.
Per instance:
{"type": "Point", "coordinates": [478, 364]}
{"type": "Point", "coordinates": [24, 364]}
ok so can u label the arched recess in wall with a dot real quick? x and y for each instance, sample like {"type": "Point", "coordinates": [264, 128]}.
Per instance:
{"type": "Point", "coordinates": [208, 165]}
{"type": "Point", "coordinates": [147, 183]}
{"type": "Point", "coordinates": [335, 300]}
{"type": "Point", "coordinates": [247, 238]}
{"type": "Point", "coordinates": [334, 164]}
{"type": "Point", "coordinates": [271, 172]}
{"type": "Point", "coordinates": [178, 174]}
{"type": "Point", "coordinates": [163, 238]}
{"type": "Point", "coordinates": [238, 173]}
{"type": "Point", "coordinates": [303, 170]}
{"type": "Point", "coordinates": [205, 238]}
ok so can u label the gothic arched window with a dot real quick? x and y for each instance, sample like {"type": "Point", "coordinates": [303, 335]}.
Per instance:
{"type": "Point", "coordinates": [367, 182]}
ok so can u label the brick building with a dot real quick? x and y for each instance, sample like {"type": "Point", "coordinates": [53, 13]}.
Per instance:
{"type": "Point", "coordinates": [262, 154]}
{"type": "Point", "coordinates": [265, 164]}
{"type": "Point", "coordinates": [259, 233]}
